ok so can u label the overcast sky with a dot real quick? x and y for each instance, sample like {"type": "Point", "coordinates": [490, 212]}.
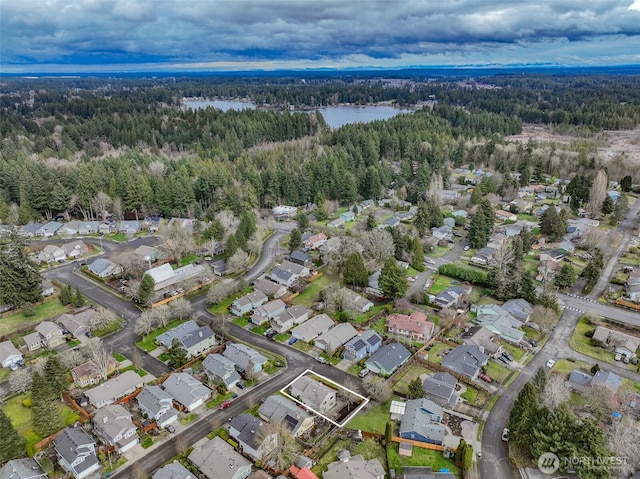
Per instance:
{"type": "Point", "coordinates": [182, 35]}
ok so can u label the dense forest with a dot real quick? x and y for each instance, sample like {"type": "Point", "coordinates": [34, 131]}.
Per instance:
{"type": "Point", "coordinates": [68, 142]}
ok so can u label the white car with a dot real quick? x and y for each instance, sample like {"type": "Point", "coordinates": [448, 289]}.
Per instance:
{"type": "Point", "coordinates": [505, 435]}
{"type": "Point", "coordinates": [551, 363]}
{"type": "Point", "coordinates": [466, 248]}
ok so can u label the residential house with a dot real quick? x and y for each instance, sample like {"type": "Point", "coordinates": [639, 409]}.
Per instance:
{"type": "Point", "coordinates": [336, 337]}
{"type": "Point", "coordinates": [246, 359]}
{"type": "Point", "coordinates": [301, 258]}
{"type": "Point", "coordinates": [388, 359]}
{"type": "Point", "coordinates": [175, 470]}
{"type": "Point", "coordinates": [103, 268]}
{"type": "Point", "coordinates": [632, 286]}
{"type": "Point", "coordinates": [107, 227]}
{"type": "Point", "coordinates": [284, 211]}
{"type": "Point", "coordinates": [422, 422]}
{"type": "Point", "coordinates": [115, 388]}
{"type": "Point", "coordinates": [316, 395]}
{"type": "Point", "coordinates": [300, 270]}
{"type": "Point", "coordinates": [315, 241]}
{"type": "Point", "coordinates": [75, 249]}
{"type": "Point", "coordinates": [547, 268]}
{"type": "Point", "coordinates": [268, 311]}
{"type": "Point", "coordinates": [77, 323]}
{"type": "Point", "coordinates": [441, 389]}
{"type": "Point", "coordinates": [5, 230]}
{"type": "Point", "coordinates": [278, 409]}
{"type": "Point", "coordinates": [497, 240]}
{"type": "Point", "coordinates": [362, 346]}
{"type": "Point", "coordinates": [186, 390]}
{"type": "Point", "coordinates": [503, 215]}
{"type": "Point", "coordinates": [114, 426]}
{"type": "Point", "coordinates": [51, 254]}
{"type": "Point", "coordinates": [198, 342]}
{"type": "Point", "coordinates": [88, 227]}
{"type": "Point", "coordinates": [443, 233]}
{"type": "Point", "coordinates": [9, 354]}
{"type": "Point", "coordinates": [622, 343]}
{"type": "Point", "coordinates": [450, 196]}
{"type": "Point", "coordinates": [269, 288]}
{"type": "Point", "coordinates": [405, 215]}
{"type": "Point", "coordinates": [165, 276]}
{"type": "Point", "coordinates": [423, 472]}
{"type": "Point", "coordinates": [522, 205]}
{"type": "Point", "coordinates": [337, 223]}
{"type": "Point", "coordinates": [25, 468]}
{"type": "Point", "coordinates": [47, 288]}
{"type": "Point", "coordinates": [33, 341]}
{"type": "Point", "coordinates": [502, 324]}
{"type": "Point", "coordinates": [76, 452]}
{"type": "Point", "coordinates": [355, 302]}
{"type": "Point", "coordinates": [414, 327]}
{"type": "Point", "coordinates": [390, 223]}
{"type": "Point", "coordinates": [348, 216]}
{"type": "Point", "coordinates": [70, 229]}
{"type": "Point", "coordinates": [283, 277]}
{"type": "Point", "coordinates": [354, 467]}
{"type": "Point", "coordinates": [86, 373]}
{"type": "Point", "coordinates": [460, 214]}
{"type": "Point", "coordinates": [453, 297]}
{"type": "Point", "coordinates": [247, 303]}
{"type": "Point", "coordinates": [219, 267]}
{"type": "Point", "coordinates": [157, 404]}
{"type": "Point", "coordinates": [220, 370]}
{"type": "Point", "coordinates": [483, 338]}
{"type": "Point", "coordinates": [289, 318]}
{"type": "Point", "coordinates": [579, 381]}
{"type": "Point", "coordinates": [148, 253]}
{"type": "Point", "coordinates": [466, 360]}
{"type": "Point", "coordinates": [519, 308]}
{"type": "Point", "coordinates": [166, 339]}
{"type": "Point", "coordinates": [52, 335]}
{"type": "Point", "coordinates": [216, 459]}
{"type": "Point", "coordinates": [250, 432]}
{"type": "Point", "coordinates": [312, 328]}
{"type": "Point", "coordinates": [608, 380]}
{"type": "Point", "coordinates": [365, 204]}
{"type": "Point", "coordinates": [31, 229]}
{"type": "Point", "coordinates": [50, 229]}
{"type": "Point", "coordinates": [130, 227]}
{"type": "Point", "coordinates": [484, 256]}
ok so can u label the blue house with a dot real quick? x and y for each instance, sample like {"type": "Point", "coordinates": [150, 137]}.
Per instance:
{"type": "Point", "coordinates": [421, 422]}
{"type": "Point", "coordinates": [129, 227]}
{"type": "Point", "coordinates": [348, 216]}
{"type": "Point", "coordinates": [361, 346]}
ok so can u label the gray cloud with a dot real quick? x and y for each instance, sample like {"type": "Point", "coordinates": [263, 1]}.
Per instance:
{"type": "Point", "coordinates": [331, 31]}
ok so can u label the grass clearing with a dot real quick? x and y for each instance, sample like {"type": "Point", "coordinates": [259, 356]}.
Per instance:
{"type": "Point", "coordinates": [371, 449]}
{"type": "Point", "coordinates": [411, 373]}
{"type": "Point", "coordinates": [188, 259]}
{"type": "Point", "coordinates": [302, 346]}
{"type": "Point", "coordinates": [497, 372]}
{"type": "Point", "coordinates": [222, 307]}
{"type": "Point", "coordinates": [330, 456]}
{"type": "Point", "coordinates": [119, 357]}
{"type": "Point", "coordinates": [311, 295]}
{"type": "Point", "coordinates": [515, 351]}
{"type": "Point", "coordinates": [565, 366]}
{"type": "Point", "coordinates": [374, 420]}
{"type": "Point", "coordinates": [47, 310]}
{"type": "Point", "coordinates": [436, 353]}
{"type": "Point", "coordinates": [441, 283]}
{"type": "Point", "coordinates": [189, 419]}
{"type": "Point", "coordinates": [4, 375]}
{"type": "Point", "coordinates": [583, 345]}
{"type": "Point", "coordinates": [108, 329]}
{"type": "Point", "coordinates": [148, 342]}
{"type": "Point", "coordinates": [419, 457]}
{"type": "Point", "coordinates": [470, 395]}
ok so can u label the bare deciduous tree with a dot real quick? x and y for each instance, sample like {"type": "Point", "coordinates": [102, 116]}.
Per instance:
{"type": "Point", "coordinates": [20, 380]}
{"type": "Point", "coordinates": [378, 244]}
{"type": "Point", "coordinates": [145, 323]}
{"type": "Point", "coordinates": [220, 324]}
{"type": "Point", "coordinates": [435, 188]}
{"type": "Point", "coordinates": [593, 238]}
{"type": "Point", "coordinates": [161, 315]}
{"type": "Point", "coordinates": [90, 347]}
{"type": "Point", "coordinates": [378, 389]}
{"type": "Point", "coordinates": [177, 241]}
{"type": "Point", "coordinates": [279, 446]}
{"type": "Point", "coordinates": [118, 209]}
{"type": "Point", "coordinates": [38, 364]}
{"type": "Point", "coordinates": [219, 292]}
{"type": "Point", "coordinates": [238, 261]}
{"type": "Point", "coordinates": [555, 392]}
{"type": "Point", "coordinates": [623, 439]}
{"type": "Point", "coordinates": [544, 317]}
{"type": "Point", "coordinates": [228, 221]}
{"type": "Point", "coordinates": [103, 318]}
{"type": "Point", "coordinates": [336, 257]}
{"type": "Point", "coordinates": [156, 169]}
{"type": "Point", "coordinates": [597, 194]}
{"type": "Point", "coordinates": [101, 204]}
{"type": "Point", "coordinates": [71, 358]}
{"type": "Point", "coordinates": [100, 361]}
{"type": "Point", "coordinates": [334, 298]}
{"type": "Point", "coordinates": [14, 214]}
{"type": "Point", "coordinates": [180, 308]}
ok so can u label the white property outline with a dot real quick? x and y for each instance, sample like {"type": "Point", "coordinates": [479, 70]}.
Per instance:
{"type": "Point", "coordinates": [365, 400]}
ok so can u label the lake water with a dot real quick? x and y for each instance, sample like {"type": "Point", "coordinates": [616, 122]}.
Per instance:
{"type": "Point", "coordinates": [335, 116]}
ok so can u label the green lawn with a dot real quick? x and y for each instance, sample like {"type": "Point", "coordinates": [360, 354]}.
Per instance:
{"type": "Point", "coordinates": [188, 259]}
{"type": "Point", "coordinates": [108, 329]}
{"type": "Point", "coordinates": [419, 457]}
{"type": "Point", "coordinates": [470, 395]}
{"type": "Point", "coordinates": [371, 449]}
{"type": "Point", "coordinates": [583, 345]}
{"type": "Point", "coordinates": [242, 321]}
{"type": "Point", "coordinates": [362, 318]}
{"type": "Point", "coordinates": [260, 329]}
{"type": "Point", "coordinates": [374, 420]}
{"type": "Point", "coordinates": [516, 352]}
{"type": "Point", "coordinates": [311, 295]}
{"type": "Point", "coordinates": [497, 372]}
{"type": "Point", "coordinates": [565, 366]}
{"type": "Point", "coordinates": [441, 283]}
{"type": "Point", "coordinates": [434, 352]}
{"type": "Point", "coordinates": [302, 346]}
{"type": "Point", "coordinates": [147, 343]}
{"type": "Point", "coordinates": [282, 337]}
{"type": "Point", "coordinates": [219, 399]}
{"type": "Point", "coordinates": [330, 456]}
{"type": "Point", "coordinates": [189, 419]}
{"type": "Point", "coordinates": [119, 357]}
{"type": "Point", "coordinates": [412, 372]}
{"type": "Point", "coordinates": [141, 372]}
{"type": "Point", "coordinates": [117, 237]}
{"type": "Point", "coordinates": [222, 307]}
{"type": "Point", "coordinates": [4, 375]}
{"type": "Point", "coordinates": [15, 321]}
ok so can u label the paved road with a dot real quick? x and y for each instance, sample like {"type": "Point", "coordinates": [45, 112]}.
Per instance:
{"type": "Point", "coordinates": [582, 304]}
{"type": "Point", "coordinates": [270, 250]}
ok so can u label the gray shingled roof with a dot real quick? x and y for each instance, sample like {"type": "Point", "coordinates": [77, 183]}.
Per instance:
{"type": "Point", "coordinates": [175, 470]}
{"type": "Point", "coordinates": [185, 389]}
{"type": "Point", "coordinates": [180, 331]}
{"type": "Point", "coordinates": [68, 442]}
{"type": "Point", "coordinates": [151, 396]}
{"type": "Point", "coordinates": [248, 428]}
{"type": "Point", "coordinates": [390, 357]}
{"type": "Point", "coordinates": [423, 416]}
{"type": "Point", "coordinates": [25, 468]}
{"type": "Point", "coordinates": [279, 409]}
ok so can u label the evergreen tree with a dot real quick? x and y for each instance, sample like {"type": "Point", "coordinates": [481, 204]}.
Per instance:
{"type": "Point", "coordinates": [214, 231]}
{"type": "Point", "coordinates": [591, 442]}
{"type": "Point", "coordinates": [55, 375]}
{"type": "Point", "coordinates": [392, 281]}
{"type": "Point", "coordinates": [566, 277]}
{"type": "Point", "coordinates": [626, 183]}
{"type": "Point", "coordinates": [552, 224]}
{"type": "Point", "coordinates": [607, 206]}
{"type": "Point", "coordinates": [434, 213]}
{"type": "Point", "coordinates": [145, 290]}
{"type": "Point", "coordinates": [321, 209]}
{"type": "Point", "coordinates": [231, 246]}
{"type": "Point", "coordinates": [621, 208]}
{"type": "Point", "coordinates": [524, 415]}
{"type": "Point", "coordinates": [417, 256]}
{"type": "Point", "coordinates": [476, 196]}
{"type": "Point", "coordinates": [295, 239]}
{"type": "Point", "coordinates": [554, 431]}
{"type": "Point", "coordinates": [177, 356]}
{"type": "Point", "coordinates": [11, 445]}
{"type": "Point", "coordinates": [528, 287]}
{"type": "Point", "coordinates": [21, 280]}
{"type": "Point", "coordinates": [354, 271]}
{"type": "Point", "coordinates": [45, 411]}
{"type": "Point", "coordinates": [421, 220]}
{"type": "Point", "coordinates": [478, 236]}
{"type": "Point", "coordinates": [415, 389]}
{"type": "Point", "coordinates": [528, 239]}
{"type": "Point", "coordinates": [302, 220]}
{"type": "Point", "coordinates": [371, 222]}
{"type": "Point", "coordinates": [78, 299]}
{"type": "Point", "coordinates": [539, 379]}
{"type": "Point", "coordinates": [65, 295]}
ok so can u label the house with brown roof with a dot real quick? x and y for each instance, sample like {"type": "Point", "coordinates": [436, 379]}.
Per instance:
{"type": "Point", "coordinates": [414, 326]}
{"type": "Point", "coordinates": [86, 374]}
{"type": "Point", "coordinates": [316, 241]}
{"type": "Point", "coordinates": [271, 289]}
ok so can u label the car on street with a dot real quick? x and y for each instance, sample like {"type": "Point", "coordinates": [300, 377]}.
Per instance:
{"type": "Point", "coordinates": [321, 360]}
{"type": "Point", "coordinates": [551, 363]}
{"type": "Point", "coordinates": [466, 248]}
{"type": "Point", "coordinates": [170, 428]}
{"type": "Point", "coordinates": [363, 373]}
{"type": "Point", "coordinates": [224, 405]}
{"type": "Point", "coordinates": [505, 435]}
{"type": "Point", "coordinates": [429, 261]}
{"type": "Point", "coordinates": [411, 279]}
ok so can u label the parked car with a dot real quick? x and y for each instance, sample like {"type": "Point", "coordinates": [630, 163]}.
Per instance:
{"type": "Point", "coordinates": [170, 428]}
{"type": "Point", "coordinates": [625, 359]}
{"type": "Point", "coordinates": [533, 343]}
{"type": "Point", "coordinates": [321, 360]}
{"type": "Point", "coordinates": [224, 405]}
{"type": "Point", "coordinates": [551, 363]}
{"type": "Point", "coordinates": [618, 357]}
{"type": "Point", "coordinates": [508, 356]}
{"type": "Point", "coordinates": [466, 248]}
{"type": "Point", "coordinates": [292, 341]}
{"type": "Point", "coordinates": [240, 385]}
{"type": "Point", "coordinates": [268, 332]}
{"type": "Point", "coordinates": [13, 366]}
{"type": "Point", "coordinates": [429, 261]}
{"type": "Point", "coordinates": [363, 373]}
{"type": "Point", "coordinates": [504, 360]}
{"type": "Point", "coordinates": [20, 363]}
{"type": "Point", "coordinates": [505, 435]}
{"type": "Point", "coordinates": [485, 378]}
